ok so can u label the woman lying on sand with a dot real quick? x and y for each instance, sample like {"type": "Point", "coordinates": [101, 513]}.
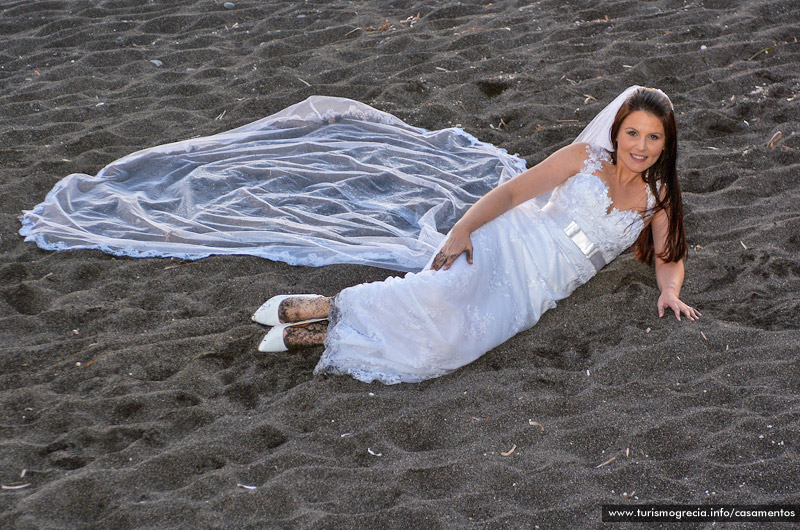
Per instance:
{"type": "Point", "coordinates": [507, 260]}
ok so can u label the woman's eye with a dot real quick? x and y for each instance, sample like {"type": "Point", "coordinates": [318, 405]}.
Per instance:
{"type": "Point", "coordinates": [654, 137]}
{"type": "Point", "coordinates": [631, 133]}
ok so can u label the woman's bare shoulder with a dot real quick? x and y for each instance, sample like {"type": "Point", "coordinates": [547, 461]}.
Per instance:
{"type": "Point", "coordinates": [573, 155]}
{"type": "Point", "coordinates": [567, 161]}
{"type": "Point", "coordinates": [583, 149]}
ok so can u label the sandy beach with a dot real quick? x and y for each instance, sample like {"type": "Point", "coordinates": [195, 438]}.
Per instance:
{"type": "Point", "coordinates": [132, 394]}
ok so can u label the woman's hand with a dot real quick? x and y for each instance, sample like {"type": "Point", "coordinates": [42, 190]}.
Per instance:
{"type": "Point", "coordinates": [457, 243]}
{"type": "Point", "coordinates": [669, 298]}
{"type": "Point", "coordinates": [542, 177]}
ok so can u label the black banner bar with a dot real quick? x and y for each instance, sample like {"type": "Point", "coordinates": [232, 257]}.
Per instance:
{"type": "Point", "coordinates": [701, 513]}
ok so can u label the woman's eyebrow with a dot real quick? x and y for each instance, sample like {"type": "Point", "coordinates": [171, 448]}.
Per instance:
{"type": "Point", "coordinates": [632, 128]}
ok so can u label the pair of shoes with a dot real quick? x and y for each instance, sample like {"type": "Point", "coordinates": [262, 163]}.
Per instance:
{"type": "Point", "coordinates": [273, 341]}
{"type": "Point", "coordinates": [268, 313]}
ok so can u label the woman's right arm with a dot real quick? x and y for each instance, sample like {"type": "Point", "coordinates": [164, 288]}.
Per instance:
{"type": "Point", "coordinates": [531, 183]}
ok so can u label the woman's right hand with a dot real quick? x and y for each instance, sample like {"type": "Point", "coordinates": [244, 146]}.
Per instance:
{"type": "Point", "coordinates": [458, 242]}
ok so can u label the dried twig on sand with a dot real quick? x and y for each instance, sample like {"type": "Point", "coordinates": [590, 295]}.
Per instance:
{"type": "Point", "coordinates": [508, 453]}
{"type": "Point", "coordinates": [536, 424]}
{"type": "Point", "coordinates": [15, 486]}
{"type": "Point", "coordinates": [775, 137]}
{"type": "Point", "coordinates": [606, 462]}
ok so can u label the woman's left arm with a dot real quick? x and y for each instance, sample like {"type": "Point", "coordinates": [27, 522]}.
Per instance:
{"type": "Point", "coordinates": [669, 276]}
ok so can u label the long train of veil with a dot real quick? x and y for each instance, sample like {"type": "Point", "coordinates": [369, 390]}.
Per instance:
{"type": "Point", "coordinates": [328, 180]}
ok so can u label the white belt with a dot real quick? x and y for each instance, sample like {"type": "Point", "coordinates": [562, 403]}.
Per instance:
{"type": "Point", "coordinates": [576, 234]}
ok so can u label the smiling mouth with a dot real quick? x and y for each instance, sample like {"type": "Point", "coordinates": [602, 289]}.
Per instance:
{"type": "Point", "coordinates": [638, 158]}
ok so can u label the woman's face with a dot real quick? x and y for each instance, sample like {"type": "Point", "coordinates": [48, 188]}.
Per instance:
{"type": "Point", "coordinates": [640, 141]}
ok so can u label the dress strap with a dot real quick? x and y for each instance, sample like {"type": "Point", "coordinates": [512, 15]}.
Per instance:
{"type": "Point", "coordinates": [651, 199]}
{"type": "Point", "coordinates": [594, 162]}
{"type": "Point", "coordinates": [576, 234]}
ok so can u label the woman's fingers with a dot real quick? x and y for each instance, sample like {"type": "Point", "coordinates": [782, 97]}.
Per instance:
{"type": "Point", "coordinates": [679, 308]}
{"type": "Point", "coordinates": [663, 305]}
{"type": "Point", "coordinates": [688, 311]}
{"type": "Point", "coordinates": [438, 261]}
{"type": "Point", "coordinates": [692, 313]}
{"type": "Point", "coordinates": [443, 260]}
{"type": "Point", "coordinates": [446, 257]}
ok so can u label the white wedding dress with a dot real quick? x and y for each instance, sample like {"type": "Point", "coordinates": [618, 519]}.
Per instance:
{"type": "Point", "coordinates": [331, 180]}
{"type": "Point", "coordinates": [430, 323]}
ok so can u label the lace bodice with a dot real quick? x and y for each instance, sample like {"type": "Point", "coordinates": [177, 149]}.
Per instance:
{"type": "Point", "coordinates": [584, 196]}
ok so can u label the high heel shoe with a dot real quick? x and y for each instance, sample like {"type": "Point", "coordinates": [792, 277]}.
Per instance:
{"type": "Point", "coordinates": [268, 313]}
{"type": "Point", "coordinates": [273, 341]}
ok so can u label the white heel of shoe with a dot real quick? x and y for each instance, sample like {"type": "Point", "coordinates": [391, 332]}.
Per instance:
{"type": "Point", "coordinates": [268, 314]}
{"type": "Point", "coordinates": [273, 340]}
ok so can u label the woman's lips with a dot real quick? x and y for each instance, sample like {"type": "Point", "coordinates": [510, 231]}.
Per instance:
{"type": "Point", "coordinates": [638, 158]}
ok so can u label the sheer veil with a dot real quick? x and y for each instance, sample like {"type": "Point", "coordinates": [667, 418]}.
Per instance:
{"type": "Point", "coordinates": [598, 132]}
{"type": "Point", "coordinates": [328, 180]}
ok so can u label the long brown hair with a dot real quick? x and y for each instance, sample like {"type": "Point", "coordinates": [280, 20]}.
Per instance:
{"type": "Point", "coordinates": [661, 174]}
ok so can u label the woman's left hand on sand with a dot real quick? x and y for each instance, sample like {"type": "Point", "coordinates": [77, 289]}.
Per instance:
{"type": "Point", "coordinates": [671, 300]}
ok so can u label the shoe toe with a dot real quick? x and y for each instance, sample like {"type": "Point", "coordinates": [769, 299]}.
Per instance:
{"type": "Point", "coordinates": [268, 315]}
{"type": "Point", "coordinates": [273, 341]}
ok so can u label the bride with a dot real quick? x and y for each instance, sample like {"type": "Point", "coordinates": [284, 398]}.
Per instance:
{"type": "Point", "coordinates": [510, 258]}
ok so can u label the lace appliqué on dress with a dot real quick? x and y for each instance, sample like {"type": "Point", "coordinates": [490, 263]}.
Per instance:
{"type": "Point", "coordinates": [597, 155]}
